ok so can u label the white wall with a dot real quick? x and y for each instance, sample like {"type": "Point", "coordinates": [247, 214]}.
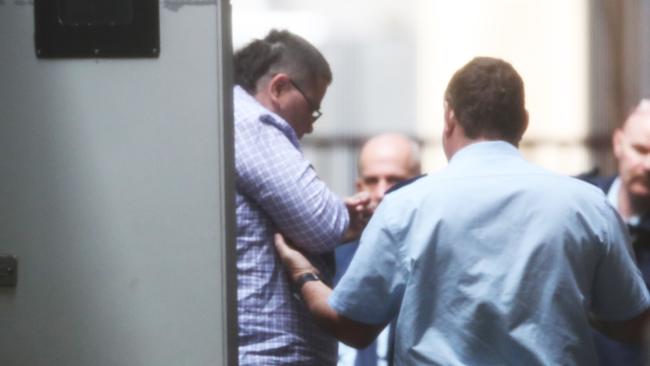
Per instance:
{"type": "Point", "coordinates": [546, 41]}
{"type": "Point", "coordinates": [392, 61]}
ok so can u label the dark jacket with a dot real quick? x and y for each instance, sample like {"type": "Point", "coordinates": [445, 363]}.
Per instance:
{"type": "Point", "coordinates": [611, 352]}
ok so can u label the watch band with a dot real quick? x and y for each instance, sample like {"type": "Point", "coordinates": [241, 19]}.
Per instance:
{"type": "Point", "coordinates": [304, 278]}
{"type": "Point", "coordinates": [300, 281]}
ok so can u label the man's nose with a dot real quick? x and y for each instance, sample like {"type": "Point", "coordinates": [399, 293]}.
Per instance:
{"type": "Point", "coordinates": [382, 187]}
{"type": "Point", "coordinates": [646, 163]}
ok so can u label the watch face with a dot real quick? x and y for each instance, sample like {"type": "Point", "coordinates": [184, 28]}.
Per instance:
{"type": "Point", "coordinates": [309, 277]}
{"type": "Point", "coordinates": [300, 281]}
{"type": "Point", "coordinates": [306, 278]}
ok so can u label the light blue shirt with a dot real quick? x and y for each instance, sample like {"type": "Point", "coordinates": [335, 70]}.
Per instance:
{"type": "Point", "coordinates": [492, 261]}
{"type": "Point", "coordinates": [376, 354]}
{"type": "Point", "coordinates": [612, 197]}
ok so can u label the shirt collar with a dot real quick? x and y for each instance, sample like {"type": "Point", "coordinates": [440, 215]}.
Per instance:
{"type": "Point", "coordinates": [266, 116]}
{"type": "Point", "coordinates": [483, 148]}
{"type": "Point", "coordinates": [612, 197]}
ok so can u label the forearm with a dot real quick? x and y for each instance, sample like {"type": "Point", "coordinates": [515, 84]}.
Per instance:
{"type": "Point", "coordinates": [315, 294]}
{"type": "Point", "coordinates": [311, 216]}
{"type": "Point", "coordinates": [629, 331]}
{"type": "Point", "coordinates": [276, 177]}
{"type": "Point", "coordinates": [348, 331]}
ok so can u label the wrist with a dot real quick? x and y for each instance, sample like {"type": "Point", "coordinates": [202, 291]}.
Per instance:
{"type": "Point", "coordinates": [296, 274]}
{"type": "Point", "coordinates": [299, 277]}
{"type": "Point", "coordinates": [301, 280]}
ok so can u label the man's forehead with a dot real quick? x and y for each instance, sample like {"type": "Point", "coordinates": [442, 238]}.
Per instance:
{"type": "Point", "coordinates": [384, 167]}
{"type": "Point", "coordinates": [386, 154]}
{"type": "Point", "coordinates": [638, 125]}
{"type": "Point", "coordinates": [376, 151]}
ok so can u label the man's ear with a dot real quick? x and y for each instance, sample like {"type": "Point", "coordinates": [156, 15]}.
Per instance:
{"type": "Point", "coordinates": [277, 86]}
{"type": "Point", "coordinates": [525, 126]}
{"type": "Point", "coordinates": [617, 143]}
{"type": "Point", "coordinates": [450, 121]}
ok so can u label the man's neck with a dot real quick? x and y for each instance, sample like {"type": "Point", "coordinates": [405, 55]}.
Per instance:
{"type": "Point", "coordinates": [629, 206]}
{"type": "Point", "coordinates": [464, 142]}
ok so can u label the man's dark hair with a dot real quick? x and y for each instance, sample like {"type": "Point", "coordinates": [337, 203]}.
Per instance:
{"type": "Point", "coordinates": [280, 51]}
{"type": "Point", "coordinates": [487, 97]}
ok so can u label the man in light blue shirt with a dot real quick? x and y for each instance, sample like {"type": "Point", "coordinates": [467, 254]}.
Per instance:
{"type": "Point", "coordinates": [384, 160]}
{"type": "Point", "coordinates": [492, 260]}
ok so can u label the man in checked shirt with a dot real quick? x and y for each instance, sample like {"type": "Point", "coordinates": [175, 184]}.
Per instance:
{"type": "Point", "coordinates": [280, 82]}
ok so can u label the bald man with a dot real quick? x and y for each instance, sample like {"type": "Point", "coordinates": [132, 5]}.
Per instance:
{"type": "Point", "coordinates": [384, 160]}
{"type": "Point", "coordinates": [629, 193]}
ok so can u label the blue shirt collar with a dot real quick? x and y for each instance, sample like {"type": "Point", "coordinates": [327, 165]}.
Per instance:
{"type": "Point", "coordinates": [612, 197]}
{"type": "Point", "coordinates": [484, 148]}
{"type": "Point", "coordinates": [266, 116]}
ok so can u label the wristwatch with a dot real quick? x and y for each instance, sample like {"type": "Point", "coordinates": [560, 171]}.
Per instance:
{"type": "Point", "coordinates": [304, 278]}
{"type": "Point", "coordinates": [300, 281]}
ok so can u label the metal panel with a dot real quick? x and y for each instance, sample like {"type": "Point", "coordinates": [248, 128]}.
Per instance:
{"type": "Point", "coordinates": [116, 196]}
{"type": "Point", "coordinates": [96, 28]}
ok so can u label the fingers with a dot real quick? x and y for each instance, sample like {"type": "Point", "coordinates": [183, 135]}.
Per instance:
{"type": "Point", "coordinates": [362, 196]}
{"type": "Point", "coordinates": [360, 209]}
{"type": "Point", "coordinates": [360, 199]}
{"type": "Point", "coordinates": [359, 205]}
{"type": "Point", "coordinates": [293, 260]}
{"type": "Point", "coordinates": [284, 250]}
{"type": "Point", "coordinates": [281, 245]}
{"type": "Point", "coordinates": [279, 240]}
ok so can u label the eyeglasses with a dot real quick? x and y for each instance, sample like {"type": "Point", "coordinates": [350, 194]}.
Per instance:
{"type": "Point", "coordinates": [316, 113]}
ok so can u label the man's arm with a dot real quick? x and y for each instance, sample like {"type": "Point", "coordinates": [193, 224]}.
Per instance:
{"type": "Point", "coordinates": [360, 212]}
{"type": "Point", "coordinates": [315, 295]}
{"type": "Point", "coordinates": [629, 331]}
{"type": "Point", "coordinates": [274, 174]}
{"type": "Point", "coordinates": [619, 290]}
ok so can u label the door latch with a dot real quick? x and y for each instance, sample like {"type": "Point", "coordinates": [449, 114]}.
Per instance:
{"type": "Point", "coordinates": [8, 271]}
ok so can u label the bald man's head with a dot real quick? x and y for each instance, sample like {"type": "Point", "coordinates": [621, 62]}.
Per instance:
{"type": "Point", "coordinates": [632, 150]}
{"type": "Point", "coordinates": [384, 160]}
